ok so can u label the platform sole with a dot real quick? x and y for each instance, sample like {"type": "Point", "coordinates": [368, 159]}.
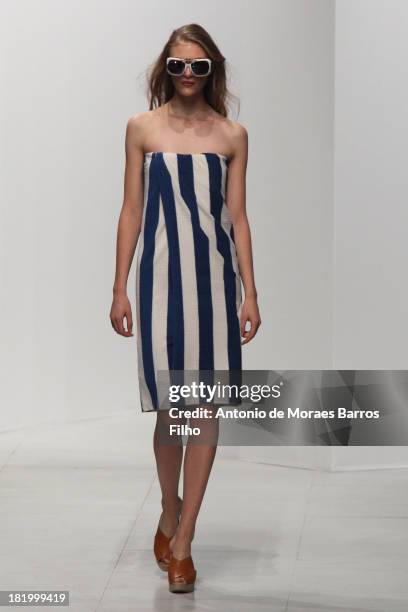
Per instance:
{"type": "Point", "coordinates": [181, 588]}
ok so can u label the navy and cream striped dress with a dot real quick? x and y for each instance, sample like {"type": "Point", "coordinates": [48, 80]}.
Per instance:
{"type": "Point", "coordinates": [188, 286]}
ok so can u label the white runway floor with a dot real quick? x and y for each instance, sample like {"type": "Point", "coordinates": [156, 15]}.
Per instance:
{"type": "Point", "coordinates": [80, 504]}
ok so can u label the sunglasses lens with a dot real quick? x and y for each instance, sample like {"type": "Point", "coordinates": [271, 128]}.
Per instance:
{"type": "Point", "coordinates": [175, 67]}
{"type": "Point", "coordinates": [200, 67]}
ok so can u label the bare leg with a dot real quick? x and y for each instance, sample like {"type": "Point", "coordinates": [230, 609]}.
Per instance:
{"type": "Point", "coordinates": [169, 458]}
{"type": "Point", "coordinates": [198, 461]}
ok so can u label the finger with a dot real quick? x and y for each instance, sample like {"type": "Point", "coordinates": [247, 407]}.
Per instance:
{"type": "Point", "coordinates": [128, 317]}
{"type": "Point", "coordinates": [244, 331]}
{"type": "Point", "coordinates": [243, 321]}
{"type": "Point", "coordinates": [120, 327]}
{"type": "Point", "coordinates": [113, 323]}
{"type": "Point", "coordinates": [248, 338]}
{"type": "Point", "coordinates": [251, 333]}
{"type": "Point", "coordinates": [130, 322]}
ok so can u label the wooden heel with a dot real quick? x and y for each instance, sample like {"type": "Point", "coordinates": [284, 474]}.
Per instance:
{"type": "Point", "coordinates": [181, 575]}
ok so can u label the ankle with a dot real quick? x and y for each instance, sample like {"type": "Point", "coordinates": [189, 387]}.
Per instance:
{"type": "Point", "coordinates": [171, 507]}
{"type": "Point", "coordinates": [184, 536]}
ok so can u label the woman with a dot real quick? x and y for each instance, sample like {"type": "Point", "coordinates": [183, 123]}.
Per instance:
{"type": "Point", "coordinates": [184, 194]}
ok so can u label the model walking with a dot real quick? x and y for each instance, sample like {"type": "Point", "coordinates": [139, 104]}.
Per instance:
{"type": "Point", "coordinates": [184, 206]}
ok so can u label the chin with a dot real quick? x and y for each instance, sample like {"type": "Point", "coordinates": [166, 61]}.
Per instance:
{"type": "Point", "coordinates": [188, 91]}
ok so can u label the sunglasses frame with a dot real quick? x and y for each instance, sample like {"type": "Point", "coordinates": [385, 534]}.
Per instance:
{"type": "Point", "coordinates": [188, 63]}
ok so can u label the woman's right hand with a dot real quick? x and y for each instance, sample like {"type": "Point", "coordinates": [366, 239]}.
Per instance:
{"type": "Point", "coordinates": [121, 309]}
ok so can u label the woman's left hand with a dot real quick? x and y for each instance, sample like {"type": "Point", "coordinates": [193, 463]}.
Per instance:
{"type": "Point", "coordinates": [249, 312]}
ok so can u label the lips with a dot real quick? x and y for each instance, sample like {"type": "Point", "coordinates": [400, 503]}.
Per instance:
{"type": "Point", "coordinates": [187, 82]}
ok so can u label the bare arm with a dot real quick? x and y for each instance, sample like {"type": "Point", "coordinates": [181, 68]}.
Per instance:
{"type": "Point", "coordinates": [236, 202]}
{"type": "Point", "coordinates": [129, 224]}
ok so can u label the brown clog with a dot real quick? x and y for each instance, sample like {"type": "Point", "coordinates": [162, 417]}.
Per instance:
{"type": "Point", "coordinates": [162, 549]}
{"type": "Point", "coordinates": [181, 574]}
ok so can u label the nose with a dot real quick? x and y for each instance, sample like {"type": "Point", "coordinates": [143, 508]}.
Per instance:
{"type": "Point", "coordinates": [188, 72]}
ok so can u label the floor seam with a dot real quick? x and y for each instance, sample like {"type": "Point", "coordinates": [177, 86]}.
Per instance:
{"type": "Point", "coordinates": [125, 543]}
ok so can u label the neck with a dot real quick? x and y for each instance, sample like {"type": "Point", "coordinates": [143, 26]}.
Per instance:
{"type": "Point", "coordinates": [189, 108]}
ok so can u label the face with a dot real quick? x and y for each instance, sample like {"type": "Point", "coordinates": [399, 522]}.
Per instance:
{"type": "Point", "coordinates": [187, 84]}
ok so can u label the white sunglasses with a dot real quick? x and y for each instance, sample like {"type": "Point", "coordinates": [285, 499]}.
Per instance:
{"type": "Point", "coordinates": [200, 67]}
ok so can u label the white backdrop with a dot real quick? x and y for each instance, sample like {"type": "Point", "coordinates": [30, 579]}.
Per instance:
{"type": "Point", "coordinates": [324, 102]}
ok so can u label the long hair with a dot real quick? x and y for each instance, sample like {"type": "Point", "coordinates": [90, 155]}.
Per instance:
{"type": "Point", "coordinates": [159, 83]}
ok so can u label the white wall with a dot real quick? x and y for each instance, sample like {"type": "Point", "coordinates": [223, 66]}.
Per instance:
{"type": "Point", "coordinates": [370, 194]}
{"type": "Point", "coordinates": [291, 202]}
{"type": "Point", "coordinates": [370, 300]}
{"type": "Point", "coordinates": [71, 75]}
{"type": "Point", "coordinates": [325, 110]}
{"type": "Point", "coordinates": [371, 191]}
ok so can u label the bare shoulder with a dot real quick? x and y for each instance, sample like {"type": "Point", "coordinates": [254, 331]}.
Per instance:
{"type": "Point", "coordinates": [236, 128]}
{"type": "Point", "coordinates": [138, 125]}
{"type": "Point", "coordinates": [237, 138]}
{"type": "Point", "coordinates": [142, 119]}
{"type": "Point", "coordinates": [239, 133]}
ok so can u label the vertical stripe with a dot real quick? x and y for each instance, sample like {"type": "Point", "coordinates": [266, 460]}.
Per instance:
{"type": "Point", "coordinates": [223, 245]}
{"type": "Point", "coordinates": [145, 397]}
{"type": "Point", "coordinates": [188, 271]}
{"type": "Point", "coordinates": [202, 264]}
{"type": "Point", "coordinates": [160, 307]}
{"type": "Point", "coordinates": [207, 223]}
{"type": "Point", "coordinates": [146, 283]}
{"type": "Point", "coordinates": [175, 318]}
